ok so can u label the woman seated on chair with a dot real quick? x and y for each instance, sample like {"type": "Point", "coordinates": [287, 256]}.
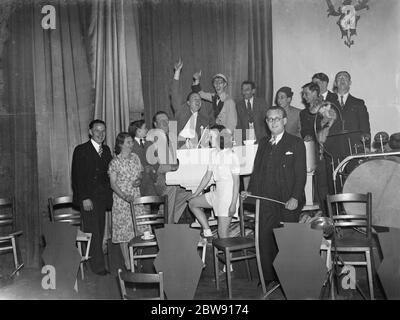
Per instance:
{"type": "Point", "coordinates": [125, 172]}
{"type": "Point", "coordinates": [224, 168]}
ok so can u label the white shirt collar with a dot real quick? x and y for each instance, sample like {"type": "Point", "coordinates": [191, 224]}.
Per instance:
{"type": "Point", "coordinates": [95, 145]}
{"type": "Point", "coordinates": [138, 140]}
{"type": "Point", "coordinates": [278, 137]}
{"type": "Point", "coordinates": [324, 95]}
{"type": "Point", "coordinates": [345, 96]}
{"type": "Point", "coordinates": [251, 101]}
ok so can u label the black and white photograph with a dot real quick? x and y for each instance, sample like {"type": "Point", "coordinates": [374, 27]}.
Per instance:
{"type": "Point", "coordinates": [210, 153]}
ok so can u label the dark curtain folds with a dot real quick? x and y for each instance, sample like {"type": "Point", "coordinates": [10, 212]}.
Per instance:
{"type": "Point", "coordinates": [49, 100]}
{"type": "Point", "coordinates": [115, 64]}
{"type": "Point", "coordinates": [232, 37]}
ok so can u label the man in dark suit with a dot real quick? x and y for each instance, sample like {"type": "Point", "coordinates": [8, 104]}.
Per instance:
{"type": "Point", "coordinates": [137, 129]}
{"type": "Point", "coordinates": [322, 80]}
{"type": "Point", "coordinates": [251, 112]}
{"type": "Point", "coordinates": [92, 191]}
{"type": "Point", "coordinates": [279, 173]}
{"type": "Point", "coordinates": [177, 196]}
{"type": "Point", "coordinates": [191, 115]}
{"type": "Point", "coordinates": [355, 121]}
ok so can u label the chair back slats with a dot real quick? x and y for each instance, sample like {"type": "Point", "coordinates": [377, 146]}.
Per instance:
{"type": "Point", "coordinates": [150, 223]}
{"type": "Point", "coordinates": [7, 213]}
{"type": "Point", "coordinates": [58, 207]}
{"type": "Point", "coordinates": [131, 277]}
{"type": "Point", "coordinates": [149, 200]}
{"type": "Point", "coordinates": [62, 200]}
{"type": "Point", "coordinates": [149, 219]}
{"type": "Point", "coordinates": [351, 220]}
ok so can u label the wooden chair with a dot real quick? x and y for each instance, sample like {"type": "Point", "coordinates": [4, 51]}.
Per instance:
{"type": "Point", "coordinates": [346, 244]}
{"type": "Point", "coordinates": [57, 207]}
{"type": "Point", "coordinates": [61, 210]}
{"type": "Point", "coordinates": [153, 220]}
{"type": "Point", "coordinates": [8, 239]}
{"type": "Point", "coordinates": [223, 249]}
{"type": "Point", "coordinates": [140, 278]}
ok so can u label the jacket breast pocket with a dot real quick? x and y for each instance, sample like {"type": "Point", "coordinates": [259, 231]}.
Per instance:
{"type": "Point", "coordinates": [288, 160]}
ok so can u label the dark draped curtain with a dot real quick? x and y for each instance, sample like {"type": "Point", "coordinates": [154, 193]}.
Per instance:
{"type": "Point", "coordinates": [115, 65]}
{"type": "Point", "coordinates": [48, 105]}
{"type": "Point", "coordinates": [232, 37]}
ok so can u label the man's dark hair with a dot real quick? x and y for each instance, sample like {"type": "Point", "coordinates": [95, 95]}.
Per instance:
{"type": "Point", "coordinates": [221, 137]}
{"type": "Point", "coordinates": [155, 117]}
{"type": "Point", "coordinates": [190, 95]}
{"type": "Point", "coordinates": [320, 76]}
{"type": "Point", "coordinates": [273, 108]}
{"type": "Point", "coordinates": [134, 126]}
{"type": "Point", "coordinates": [119, 141]}
{"type": "Point", "coordinates": [96, 121]}
{"type": "Point", "coordinates": [253, 85]}
{"type": "Point", "coordinates": [345, 72]}
{"type": "Point", "coordinates": [312, 87]}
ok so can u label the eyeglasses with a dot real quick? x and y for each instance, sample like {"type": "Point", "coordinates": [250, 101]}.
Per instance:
{"type": "Point", "coordinates": [272, 120]}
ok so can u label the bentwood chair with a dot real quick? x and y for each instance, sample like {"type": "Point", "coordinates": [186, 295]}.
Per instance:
{"type": "Point", "coordinates": [151, 220]}
{"type": "Point", "coordinates": [61, 210]}
{"type": "Point", "coordinates": [246, 245]}
{"type": "Point", "coordinates": [349, 243]}
{"type": "Point", "coordinates": [135, 278]}
{"type": "Point", "coordinates": [8, 237]}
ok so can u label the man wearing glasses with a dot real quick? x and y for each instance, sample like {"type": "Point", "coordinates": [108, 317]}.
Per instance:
{"type": "Point", "coordinates": [279, 173]}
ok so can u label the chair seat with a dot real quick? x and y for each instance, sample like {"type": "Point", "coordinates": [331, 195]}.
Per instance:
{"type": "Point", "coordinates": [235, 243]}
{"type": "Point", "coordinates": [351, 244]}
{"type": "Point", "coordinates": [139, 242]}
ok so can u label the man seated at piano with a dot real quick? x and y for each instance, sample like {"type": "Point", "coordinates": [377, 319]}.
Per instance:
{"type": "Point", "coordinates": [162, 155]}
{"type": "Point", "coordinates": [191, 116]}
{"type": "Point", "coordinates": [224, 168]}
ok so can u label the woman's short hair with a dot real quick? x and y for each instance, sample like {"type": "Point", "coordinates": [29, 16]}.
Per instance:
{"type": "Point", "coordinates": [134, 126]}
{"type": "Point", "coordinates": [119, 141]}
{"type": "Point", "coordinates": [222, 133]}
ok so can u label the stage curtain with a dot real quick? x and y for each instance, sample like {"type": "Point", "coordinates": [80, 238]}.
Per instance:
{"type": "Point", "coordinates": [115, 65]}
{"type": "Point", "coordinates": [232, 37]}
{"type": "Point", "coordinates": [49, 104]}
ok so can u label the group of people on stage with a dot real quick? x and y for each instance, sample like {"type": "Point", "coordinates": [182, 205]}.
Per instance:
{"type": "Point", "coordinates": [102, 181]}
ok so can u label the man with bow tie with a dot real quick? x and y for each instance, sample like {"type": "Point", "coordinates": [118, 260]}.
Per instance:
{"type": "Point", "coordinates": [92, 190]}
{"type": "Point", "coordinates": [224, 107]}
{"type": "Point", "coordinates": [279, 173]}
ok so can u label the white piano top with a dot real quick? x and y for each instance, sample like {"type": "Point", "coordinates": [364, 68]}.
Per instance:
{"type": "Point", "coordinates": [193, 165]}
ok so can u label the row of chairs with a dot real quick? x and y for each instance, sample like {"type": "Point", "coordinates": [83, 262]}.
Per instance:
{"type": "Point", "coordinates": [222, 248]}
{"type": "Point", "coordinates": [249, 246]}
{"type": "Point", "coordinates": [9, 235]}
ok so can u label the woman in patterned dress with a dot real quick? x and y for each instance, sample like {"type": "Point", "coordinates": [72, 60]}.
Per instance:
{"type": "Point", "coordinates": [125, 172]}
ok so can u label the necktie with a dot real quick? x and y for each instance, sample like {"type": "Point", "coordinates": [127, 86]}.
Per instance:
{"type": "Point", "coordinates": [272, 140]}
{"type": "Point", "coordinates": [341, 102]}
{"type": "Point", "coordinates": [100, 151]}
{"type": "Point", "coordinates": [141, 143]}
{"type": "Point", "coordinates": [217, 106]}
{"type": "Point", "coordinates": [250, 112]}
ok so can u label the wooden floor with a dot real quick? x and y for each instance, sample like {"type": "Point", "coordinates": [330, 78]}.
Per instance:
{"type": "Point", "coordinates": [28, 286]}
